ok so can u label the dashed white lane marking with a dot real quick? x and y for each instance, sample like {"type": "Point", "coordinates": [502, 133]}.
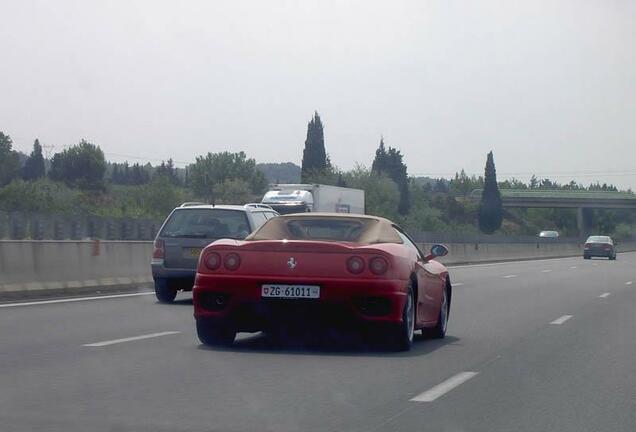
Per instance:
{"type": "Point", "coordinates": [510, 276]}
{"type": "Point", "coordinates": [512, 262]}
{"type": "Point", "coordinates": [629, 282]}
{"type": "Point", "coordinates": [130, 339]}
{"type": "Point", "coordinates": [444, 387]}
{"type": "Point", "coordinates": [73, 299]}
{"type": "Point", "coordinates": [604, 295]}
{"type": "Point", "coordinates": [546, 271]}
{"type": "Point", "coordinates": [594, 264]}
{"type": "Point", "coordinates": [456, 284]}
{"type": "Point", "coordinates": [450, 265]}
{"type": "Point", "coordinates": [572, 267]}
{"type": "Point", "coordinates": [562, 319]}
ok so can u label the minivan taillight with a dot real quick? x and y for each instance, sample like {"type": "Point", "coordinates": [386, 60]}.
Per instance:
{"type": "Point", "coordinates": [159, 251]}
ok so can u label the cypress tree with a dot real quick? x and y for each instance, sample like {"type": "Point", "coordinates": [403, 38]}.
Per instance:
{"type": "Point", "coordinates": [490, 208]}
{"type": "Point", "coordinates": [389, 162]}
{"type": "Point", "coordinates": [9, 162]}
{"type": "Point", "coordinates": [314, 154]}
{"type": "Point", "coordinates": [380, 162]}
{"type": "Point", "coordinates": [34, 166]}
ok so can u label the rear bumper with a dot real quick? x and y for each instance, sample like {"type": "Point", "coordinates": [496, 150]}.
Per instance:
{"type": "Point", "coordinates": [342, 301]}
{"type": "Point", "coordinates": [180, 279]}
{"type": "Point", "coordinates": [160, 271]}
{"type": "Point", "coordinates": [598, 253]}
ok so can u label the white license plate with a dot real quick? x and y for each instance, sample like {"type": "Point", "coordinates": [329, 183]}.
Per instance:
{"type": "Point", "coordinates": [290, 291]}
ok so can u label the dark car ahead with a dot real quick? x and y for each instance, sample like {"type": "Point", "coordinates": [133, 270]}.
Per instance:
{"type": "Point", "coordinates": [599, 246]}
{"type": "Point", "coordinates": [187, 230]}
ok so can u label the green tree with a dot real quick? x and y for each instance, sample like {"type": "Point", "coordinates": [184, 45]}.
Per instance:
{"type": "Point", "coordinates": [490, 207]}
{"type": "Point", "coordinates": [161, 196]}
{"type": "Point", "coordinates": [462, 185]}
{"type": "Point", "coordinates": [9, 162]}
{"type": "Point", "coordinates": [212, 170]}
{"type": "Point", "coordinates": [169, 171]}
{"type": "Point", "coordinates": [315, 160]}
{"type": "Point", "coordinates": [381, 194]}
{"type": "Point", "coordinates": [34, 166]}
{"type": "Point", "coordinates": [82, 165]}
{"type": "Point", "coordinates": [40, 195]}
{"type": "Point", "coordinates": [389, 162]}
{"type": "Point", "coordinates": [233, 191]}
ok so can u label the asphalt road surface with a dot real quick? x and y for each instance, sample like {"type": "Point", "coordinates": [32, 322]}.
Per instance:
{"type": "Point", "coordinates": [532, 346]}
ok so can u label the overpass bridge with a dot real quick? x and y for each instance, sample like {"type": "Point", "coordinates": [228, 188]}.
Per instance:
{"type": "Point", "coordinates": [583, 201]}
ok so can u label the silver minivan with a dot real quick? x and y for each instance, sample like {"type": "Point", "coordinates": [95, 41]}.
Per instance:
{"type": "Point", "coordinates": [187, 230]}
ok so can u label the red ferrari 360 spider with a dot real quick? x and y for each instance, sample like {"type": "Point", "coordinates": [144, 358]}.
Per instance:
{"type": "Point", "coordinates": [321, 268]}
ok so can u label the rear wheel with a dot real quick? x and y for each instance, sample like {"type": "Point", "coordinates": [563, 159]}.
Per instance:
{"type": "Point", "coordinates": [586, 257]}
{"type": "Point", "coordinates": [402, 336]}
{"type": "Point", "coordinates": [215, 334]}
{"type": "Point", "coordinates": [439, 331]}
{"type": "Point", "coordinates": [164, 292]}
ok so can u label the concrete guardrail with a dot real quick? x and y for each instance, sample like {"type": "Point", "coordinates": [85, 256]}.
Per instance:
{"type": "Point", "coordinates": [36, 267]}
{"type": "Point", "coordinates": [40, 265]}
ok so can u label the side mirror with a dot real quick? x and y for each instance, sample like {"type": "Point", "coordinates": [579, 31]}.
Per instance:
{"type": "Point", "coordinates": [437, 250]}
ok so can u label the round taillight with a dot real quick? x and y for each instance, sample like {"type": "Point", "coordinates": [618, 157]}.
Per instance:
{"type": "Point", "coordinates": [355, 265]}
{"type": "Point", "coordinates": [212, 261]}
{"type": "Point", "coordinates": [378, 265]}
{"type": "Point", "coordinates": [232, 261]}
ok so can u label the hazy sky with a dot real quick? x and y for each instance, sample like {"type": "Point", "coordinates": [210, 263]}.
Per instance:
{"type": "Point", "coordinates": [549, 86]}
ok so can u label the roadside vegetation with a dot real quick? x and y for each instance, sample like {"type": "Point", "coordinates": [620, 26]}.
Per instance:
{"type": "Point", "coordinates": [79, 180]}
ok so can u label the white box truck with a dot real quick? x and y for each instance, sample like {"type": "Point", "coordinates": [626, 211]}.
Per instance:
{"type": "Point", "coordinates": [301, 198]}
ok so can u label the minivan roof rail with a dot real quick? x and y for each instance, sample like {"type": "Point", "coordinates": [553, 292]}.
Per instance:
{"type": "Point", "coordinates": [258, 205]}
{"type": "Point", "coordinates": [192, 203]}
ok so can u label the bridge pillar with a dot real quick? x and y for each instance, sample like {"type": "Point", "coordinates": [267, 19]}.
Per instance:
{"type": "Point", "coordinates": [583, 219]}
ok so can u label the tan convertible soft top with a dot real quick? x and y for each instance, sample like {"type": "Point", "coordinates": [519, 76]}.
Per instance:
{"type": "Point", "coordinates": [329, 227]}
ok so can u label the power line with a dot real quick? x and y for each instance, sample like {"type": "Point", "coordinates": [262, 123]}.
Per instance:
{"type": "Point", "coordinates": [561, 174]}
{"type": "Point", "coordinates": [145, 158]}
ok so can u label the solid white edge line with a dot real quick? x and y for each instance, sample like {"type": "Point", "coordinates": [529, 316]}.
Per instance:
{"type": "Point", "coordinates": [74, 299]}
{"type": "Point", "coordinates": [444, 387]}
{"type": "Point", "coordinates": [130, 339]}
{"type": "Point", "coordinates": [562, 319]}
{"type": "Point", "coordinates": [604, 295]}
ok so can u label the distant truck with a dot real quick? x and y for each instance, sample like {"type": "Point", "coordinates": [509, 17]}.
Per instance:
{"type": "Point", "coordinates": [301, 198]}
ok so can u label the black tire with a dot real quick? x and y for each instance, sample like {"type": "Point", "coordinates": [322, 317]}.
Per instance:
{"type": "Point", "coordinates": [439, 331]}
{"type": "Point", "coordinates": [612, 258]}
{"type": "Point", "coordinates": [215, 334]}
{"type": "Point", "coordinates": [164, 292]}
{"type": "Point", "coordinates": [402, 336]}
{"type": "Point", "coordinates": [586, 257]}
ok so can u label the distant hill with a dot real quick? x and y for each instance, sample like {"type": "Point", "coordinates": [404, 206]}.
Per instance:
{"type": "Point", "coordinates": [284, 172]}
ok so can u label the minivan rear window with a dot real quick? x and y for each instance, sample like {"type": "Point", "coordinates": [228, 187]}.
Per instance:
{"type": "Point", "coordinates": [206, 223]}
